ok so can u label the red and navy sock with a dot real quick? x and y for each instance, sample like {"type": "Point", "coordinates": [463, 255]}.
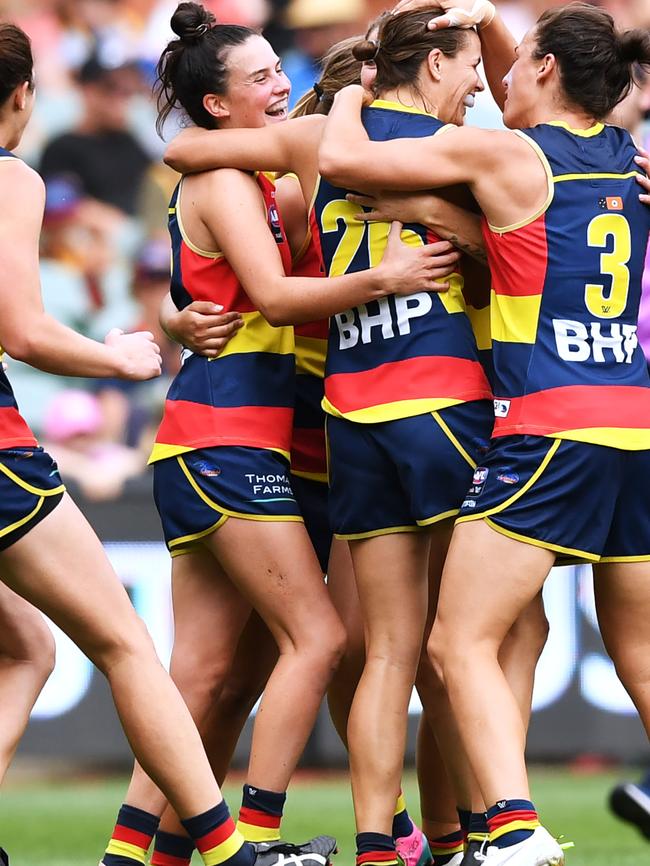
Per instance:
{"type": "Point", "coordinates": [478, 830]}
{"type": "Point", "coordinates": [171, 850]}
{"type": "Point", "coordinates": [445, 848]}
{"type": "Point", "coordinates": [217, 839]}
{"type": "Point", "coordinates": [376, 849]}
{"type": "Point", "coordinates": [511, 821]}
{"type": "Point", "coordinates": [402, 824]}
{"type": "Point", "coordinates": [260, 815]}
{"type": "Point", "coordinates": [131, 837]}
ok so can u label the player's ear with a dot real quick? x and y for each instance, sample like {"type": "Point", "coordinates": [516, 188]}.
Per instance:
{"type": "Point", "coordinates": [434, 64]}
{"type": "Point", "coordinates": [214, 104]}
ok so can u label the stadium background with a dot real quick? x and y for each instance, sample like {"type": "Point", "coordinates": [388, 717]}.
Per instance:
{"type": "Point", "coordinates": [105, 257]}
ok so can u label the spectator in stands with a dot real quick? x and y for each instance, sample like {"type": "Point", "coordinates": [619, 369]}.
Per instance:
{"type": "Point", "coordinates": [101, 152]}
{"type": "Point", "coordinates": [319, 24]}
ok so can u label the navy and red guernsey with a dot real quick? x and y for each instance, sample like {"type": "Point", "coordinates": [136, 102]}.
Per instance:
{"type": "Point", "coordinates": [399, 356]}
{"type": "Point", "coordinates": [566, 287]}
{"type": "Point", "coordinates": [246, 395]}
{"type": "Point", "coordinates": [14, 430]}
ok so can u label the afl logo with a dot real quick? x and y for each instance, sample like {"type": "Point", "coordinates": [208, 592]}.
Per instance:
{"type": "Point", "coordinates": [275, 224]}
{"type": "Point", "coordinates": [480, 475]}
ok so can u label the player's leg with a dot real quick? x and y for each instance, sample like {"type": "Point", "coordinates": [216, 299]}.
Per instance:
{"type": "Point", "coordinates": [343, 592]}
{"type": "Point", "coordinates": [254, 660]}
{"type": "Point", "coordinates": [391, 574]}
{"type": "Point", "coordinates": [75, 586]}
{"type": "Point", "coordinates": [470, 628]}
{"type": "Point", "coordinates": [26, 661]}
{"type": "Point", "coordinates": [274, 566]}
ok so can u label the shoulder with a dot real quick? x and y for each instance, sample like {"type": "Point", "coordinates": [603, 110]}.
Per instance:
{"type": "Point", "coordinates": [18, 179]}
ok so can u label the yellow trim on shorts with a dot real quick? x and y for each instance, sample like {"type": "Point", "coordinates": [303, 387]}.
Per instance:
{"type": "Point", "coordinates": [393, 411]}
{"type": "Point", "coordinates": [547, 545]}
{"type": "Point", "coordinates": [438, 517]}
{"type": "Point", "coordinates": [452, 438]}
{"type": "Point", "coordinates": [196, 536]}
{"type": "Point", "coordinates": [644, 558]}
{"type": "Point", "coordinates": [534, 477]}
{"type": "Point", "coordinates": [8, 529]}
{"type": "Point", "coordinates": [37, 491]}
{"type": "Point", "coordinates": [375, 533]}
{"type": "Point", "coordinates": [283, 518]}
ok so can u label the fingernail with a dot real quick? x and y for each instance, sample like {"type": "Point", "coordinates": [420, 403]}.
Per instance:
{"type": "Point", "coordinates": [218, 308]}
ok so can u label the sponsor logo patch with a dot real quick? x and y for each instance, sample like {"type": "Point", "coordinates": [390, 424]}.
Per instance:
{"type": "Point", "coordinates": [501, 408]}
{"type": "Point", "coordinates": [507, 476]}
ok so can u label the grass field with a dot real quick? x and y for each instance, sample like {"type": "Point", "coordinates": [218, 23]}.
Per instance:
{"type": "Point", "coordinates": [66, 823]}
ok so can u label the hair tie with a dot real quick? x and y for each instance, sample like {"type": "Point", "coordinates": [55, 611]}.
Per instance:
{"type": "Point", "coordinates": [318, 90]}
{"type": "Point", "coordinates": [377, 45]}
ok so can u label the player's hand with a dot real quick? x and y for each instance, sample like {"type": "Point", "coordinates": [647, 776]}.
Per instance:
{"type": "Point", "coordinates": [136, 355]}
{"type": "Point", "coordinates": [413, 207]}
{"type": "Point", "coordinates": [643, 161]}
{"type": "Point", "coordinates": [458, 13]}
{"type": "Point", "coordinates": [203, 327]}
{"type": "Point", "coordinates": [407, 269]}
{"type": "Point", "coordinates": [355, 92]}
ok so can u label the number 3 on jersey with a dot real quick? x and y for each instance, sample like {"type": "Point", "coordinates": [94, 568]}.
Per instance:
{"type": "Point", "coordinates": [603, 303]}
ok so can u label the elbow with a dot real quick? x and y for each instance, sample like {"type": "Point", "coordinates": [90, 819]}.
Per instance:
{"type": "Point", "coordinates": [21, 347]}
{"type": "Point", "coordinates": [171, 158]}
{"type": "Point", "coordinates": [276, 315]}
{"type": "Point", "coordinates": [335, 166]}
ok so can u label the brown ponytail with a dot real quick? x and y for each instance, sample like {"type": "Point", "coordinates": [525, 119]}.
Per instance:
{"type": "Point", "coordinates": [16, 61]}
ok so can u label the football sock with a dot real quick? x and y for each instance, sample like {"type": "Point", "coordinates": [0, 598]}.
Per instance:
{"type": "Point", "coordinates": [478, 830]}
{"type": "Point", "coordinates": [171, 850]}
{"type": "Point", "coordinates": [445, 848]}
{"type": "Point", "coordinates": [218, 840]}
{"type": "Point", "coordinates": [464, 817]}
{"type": "Point", "coordinates": [376, 849]}
{"type": "Point", "coordinates": [402, 824]}
{"type": "Point", "coordinates": [511, 821]}
{"type": "Point", "coordinates": [260, 815]}
{"type": "Point", "coordinates": [134, 830]}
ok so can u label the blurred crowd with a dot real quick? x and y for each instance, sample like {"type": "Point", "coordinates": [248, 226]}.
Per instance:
{"type": "Point", "coordinates": [105, 251]}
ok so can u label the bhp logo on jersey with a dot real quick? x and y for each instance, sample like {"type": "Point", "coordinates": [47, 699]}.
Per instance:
{"type": "Point", "coordinates": [577, 341]}
{"type": "Point", "coordinates": [394, 316]}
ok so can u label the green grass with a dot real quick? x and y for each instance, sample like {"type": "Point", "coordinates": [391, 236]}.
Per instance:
{"type": "Point", "coordinates": [66, 823]}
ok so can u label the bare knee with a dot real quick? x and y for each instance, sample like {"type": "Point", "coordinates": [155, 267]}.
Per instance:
{"type": "Point", "coordinates": [34, 648]}
{"type": "Point", "coordinates": [323, 645]}
{"type": "Point", "coordinates": [129, 642]}
{"type": "Point", "coordinates": [437, 652]}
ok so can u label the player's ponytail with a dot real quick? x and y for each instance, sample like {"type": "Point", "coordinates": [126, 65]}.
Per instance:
{"type": "Point", "coordinates": [16, 61]}
{"type": "Point", "coordinates": [402, 45]}
{"type": "Point", "coordinates": [596, 62]}
{"type": "Point", "coordinates": [339, 68]}
{"type": "Point", "coordinates": [194, 64]}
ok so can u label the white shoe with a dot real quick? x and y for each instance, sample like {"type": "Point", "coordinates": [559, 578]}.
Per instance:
{"type": "Point", "coordinates": [540, 849]}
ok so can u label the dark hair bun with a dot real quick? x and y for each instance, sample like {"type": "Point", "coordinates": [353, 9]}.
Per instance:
{"type": "Point", "coordinates": [365, 51]}
{"type": "Point", "coordinates": [191, 21]}
{"type": "Point", "coordinates": [634, 47]}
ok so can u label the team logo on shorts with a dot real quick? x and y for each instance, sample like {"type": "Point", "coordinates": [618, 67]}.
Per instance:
{"type": "Point", "coordinates": [501, 408]}
{"type": "Point", "coordinates": [206, 470]}
{"type": "Point", "coordinates": [478, 482]}
{"type": "Point", "coordinates": [507, 476]}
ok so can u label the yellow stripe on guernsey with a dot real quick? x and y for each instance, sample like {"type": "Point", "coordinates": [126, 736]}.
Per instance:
{"type": "Point", "coordinates": [126, 849]}
{"type": "Point", "coordinates": [310, 356]}
{"type": "Point", "coordinates": [626, 438]}
{"type": "Point", "coordinates": [256, 335]}
{"type": "Point", "coordinates": [224, 851]}
{"type": "Point", "coordinates": [481, 326]}
{"type": "Point", "coordinates": [514, 318]}
{"type": "Point", "coordinates": [392, 411]}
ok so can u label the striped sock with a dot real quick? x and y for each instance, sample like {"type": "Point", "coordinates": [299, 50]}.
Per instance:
{"type": "Point", "coordinates": [445, 848]}
{"type": "Point", "coordinates": [402, 824]}
{"type": "Point", "coordinates": [478, 830]}
{"type": "Point", "coordinates": [171, 850]}
{"type": "Point", "coordinates": [376, 849]}
{"type": "Point", "coordinates": [260, 815]}
{"type": "Point", "coordinates": [464, 817]}
{"type": "Point", "coordinates": [218, 840]}
{"type": "Point", "coordinates": [511, 821]}
{"type": "Point", "coordinates": [131, 837]}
